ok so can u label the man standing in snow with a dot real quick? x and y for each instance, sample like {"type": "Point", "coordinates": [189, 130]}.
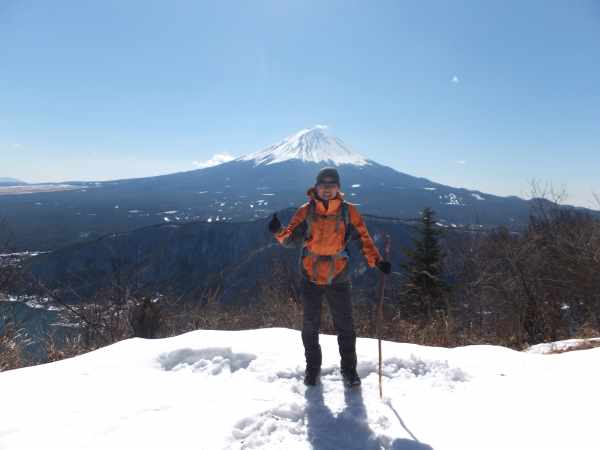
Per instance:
{"type": "Point", "coordinates": [323, 226]}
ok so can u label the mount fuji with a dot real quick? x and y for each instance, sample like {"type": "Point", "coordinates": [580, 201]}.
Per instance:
{"type": "Point", "coordinates": [249, 187]}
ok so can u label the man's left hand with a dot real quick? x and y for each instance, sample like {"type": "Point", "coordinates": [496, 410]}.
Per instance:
{"type": "Point", "coordinates": [384, 266]}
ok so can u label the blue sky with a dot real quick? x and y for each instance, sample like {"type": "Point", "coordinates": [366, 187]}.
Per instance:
{"type": "Point", "coordinates": [486, 95]}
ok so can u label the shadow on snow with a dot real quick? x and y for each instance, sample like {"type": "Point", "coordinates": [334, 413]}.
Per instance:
{"type": "Point", "coordinates": [350, 428]}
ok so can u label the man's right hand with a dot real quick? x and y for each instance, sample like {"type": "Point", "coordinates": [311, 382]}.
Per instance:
{"type": "Point", "coordinates": [274, 224]}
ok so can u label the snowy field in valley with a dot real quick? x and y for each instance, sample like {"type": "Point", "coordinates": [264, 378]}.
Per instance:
{"type": "Point", "coordinates": [243, 390]}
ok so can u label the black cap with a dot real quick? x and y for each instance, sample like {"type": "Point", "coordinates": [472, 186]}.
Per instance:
{"type": "Point", "coordinates": [328, 173]}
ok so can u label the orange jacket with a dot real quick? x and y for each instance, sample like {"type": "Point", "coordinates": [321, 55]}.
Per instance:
{"type": "Point", "coordinates": [323, 257]}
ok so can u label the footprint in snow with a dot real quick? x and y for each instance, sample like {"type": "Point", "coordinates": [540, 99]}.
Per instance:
{"type": "Point", "coordinates": [212, 361]}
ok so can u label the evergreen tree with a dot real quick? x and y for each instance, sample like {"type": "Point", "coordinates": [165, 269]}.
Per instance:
{"type": "Point", "coordinates": [424, 287]}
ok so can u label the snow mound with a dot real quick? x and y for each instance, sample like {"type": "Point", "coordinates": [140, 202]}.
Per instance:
{"type": "Point", "coordinates": [208, 360]}
{"type": "Point", "coordinates": [563, 346]}
{"type": "Point", "coordinates": [315, 144]}
{"type": "Point", "coordinates": [438, 371]}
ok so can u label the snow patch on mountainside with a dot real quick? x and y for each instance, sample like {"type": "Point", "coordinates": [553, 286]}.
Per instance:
{"type": "Point", "coordinates": [315, 145]}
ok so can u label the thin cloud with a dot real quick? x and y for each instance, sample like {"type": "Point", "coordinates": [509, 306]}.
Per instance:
{"type": "Point", "coordinates": [455, 79]}
{"type": "Point", "coordinates": [218, 158]}
{"type": "Point", "coordinates": [462, 162]}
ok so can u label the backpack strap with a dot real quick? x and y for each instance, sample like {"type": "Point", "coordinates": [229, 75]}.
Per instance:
{"type": "Point", "coordinates": [310, 218]}
{"type": "Point", "coordinates": [346, 219]}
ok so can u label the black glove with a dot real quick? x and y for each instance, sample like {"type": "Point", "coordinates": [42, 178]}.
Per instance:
{"type": "Point", "coordinates": [274, 224]}
{"type": "Point", "coordinates": [384, 266]}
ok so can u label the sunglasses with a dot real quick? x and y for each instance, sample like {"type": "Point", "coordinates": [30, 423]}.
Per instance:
{"type": "Point", "coordinates": [327, 184]}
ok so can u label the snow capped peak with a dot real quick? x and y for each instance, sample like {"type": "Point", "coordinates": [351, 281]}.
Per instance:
{"type": "Point", "coordinates": [315, 144]}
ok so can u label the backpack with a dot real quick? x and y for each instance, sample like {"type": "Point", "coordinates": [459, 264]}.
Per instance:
{"type": "Point", "coordinates": [311, 215]}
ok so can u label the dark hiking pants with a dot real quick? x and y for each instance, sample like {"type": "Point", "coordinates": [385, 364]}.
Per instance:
{"type": "Point", "coordinates": [340, 306]}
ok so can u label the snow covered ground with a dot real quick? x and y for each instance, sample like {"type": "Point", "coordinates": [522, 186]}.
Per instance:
{"type": "Point", "coordinates": [243, 390]}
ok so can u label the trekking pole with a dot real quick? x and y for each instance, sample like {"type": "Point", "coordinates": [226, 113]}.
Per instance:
{"type": "Point", "coordinates": [380, 310]}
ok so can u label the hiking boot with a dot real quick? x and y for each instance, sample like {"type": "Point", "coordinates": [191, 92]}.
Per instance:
{"type": "Point", "coordinates": [311, 376]}
{"type": "Point", "coordinates": [351, 377]}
